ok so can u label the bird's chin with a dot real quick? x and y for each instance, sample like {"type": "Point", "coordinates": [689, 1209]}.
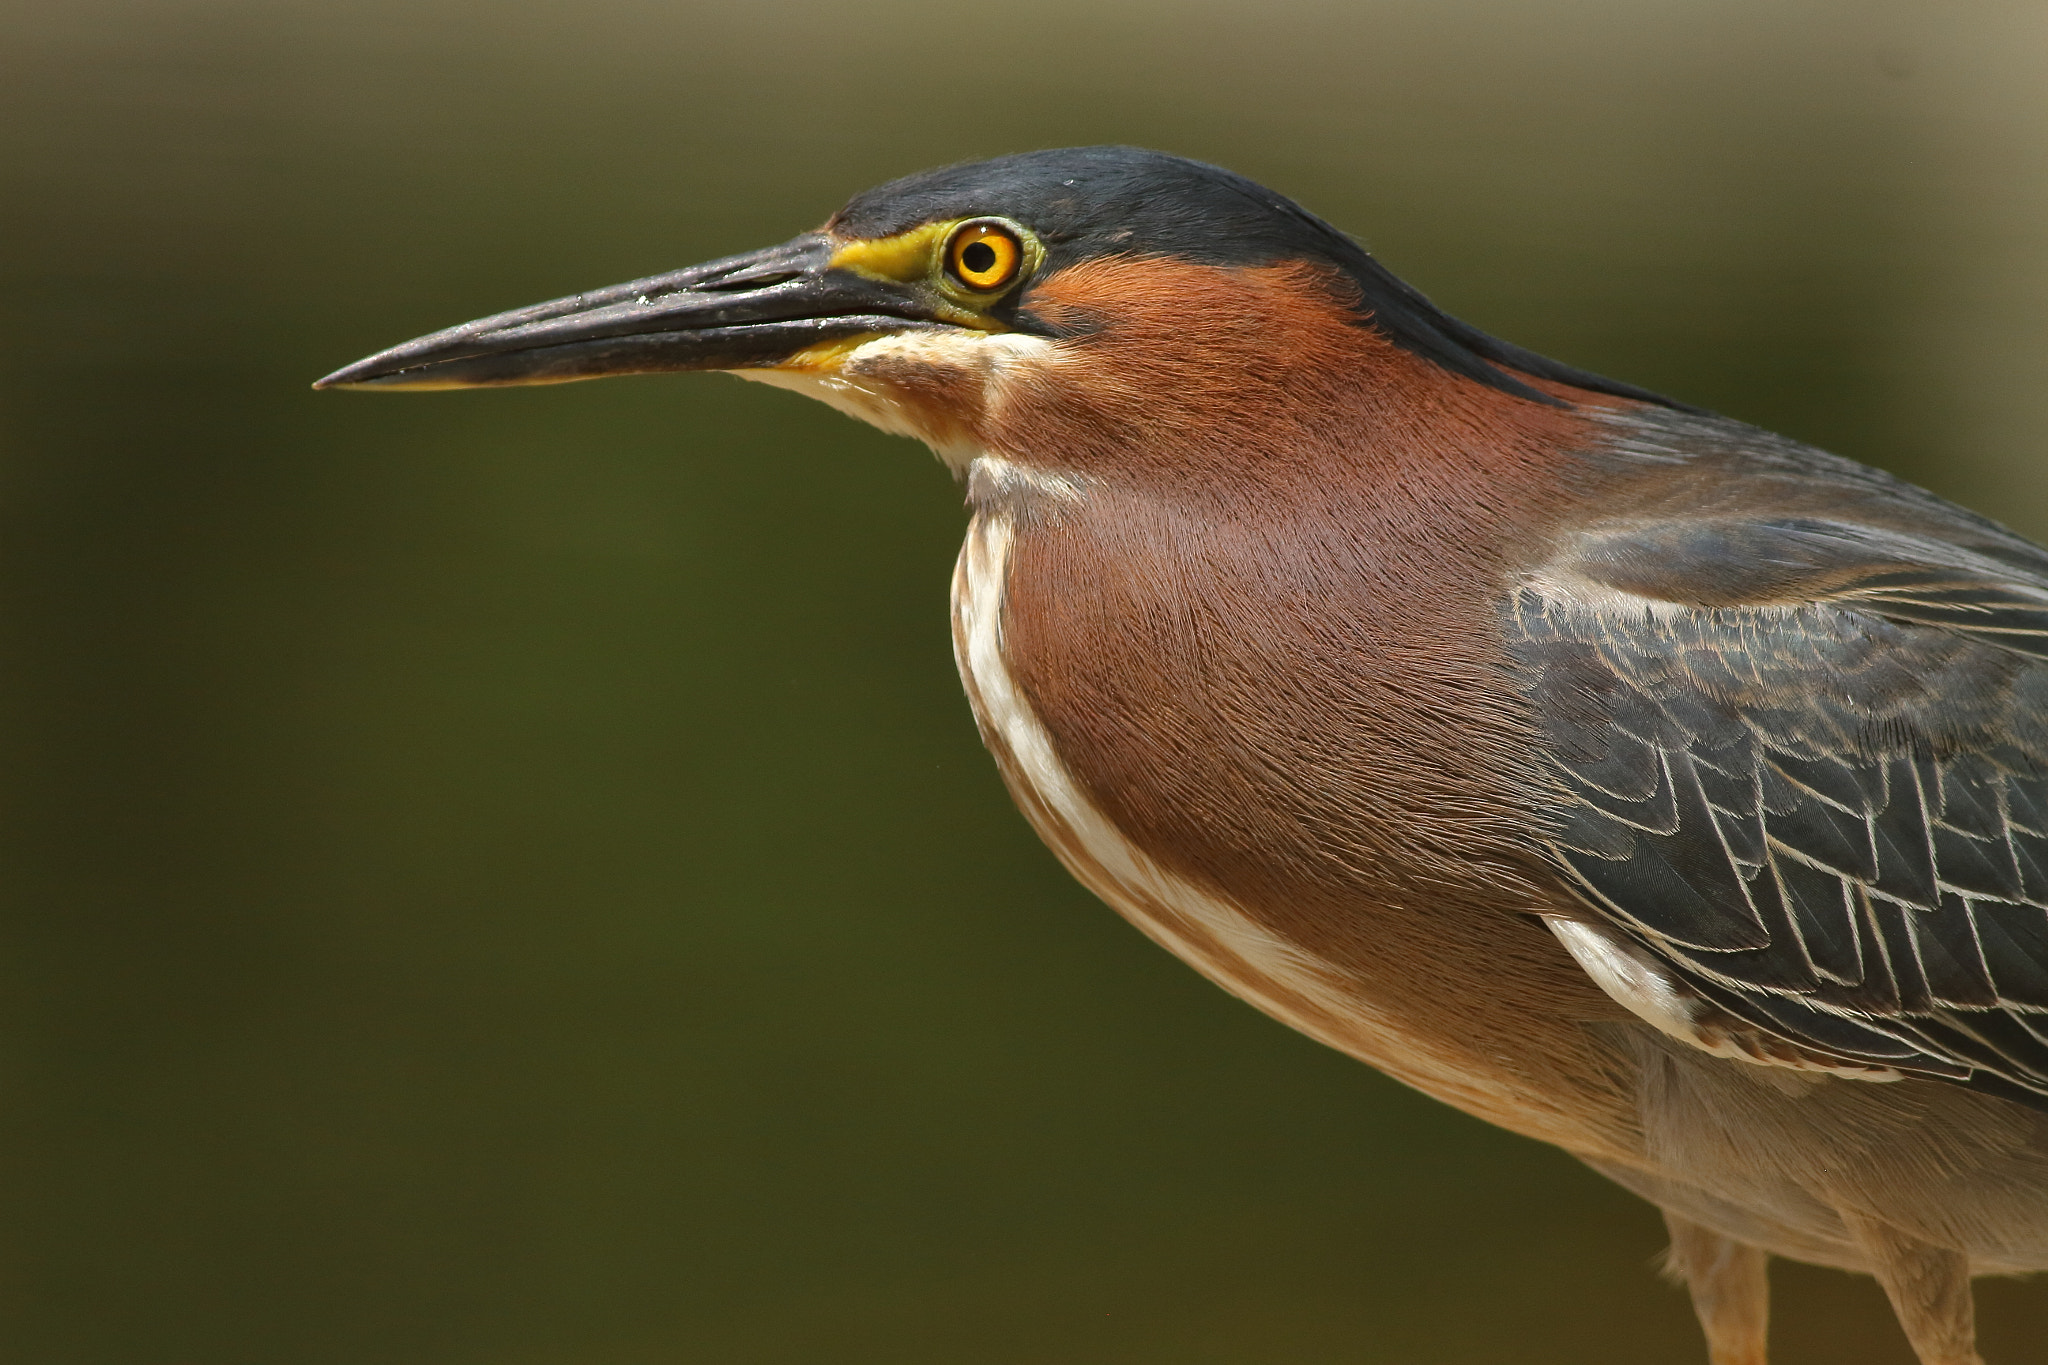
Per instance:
{"type": "Point", "coordinates": [939, 386]}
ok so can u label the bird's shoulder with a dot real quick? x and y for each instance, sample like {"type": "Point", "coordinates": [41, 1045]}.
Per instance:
{"type": "Point", "coordinates": [1793, 717]}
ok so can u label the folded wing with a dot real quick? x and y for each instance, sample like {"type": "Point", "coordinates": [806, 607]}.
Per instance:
{"type": "Point", "coordinates": [1802, 780]}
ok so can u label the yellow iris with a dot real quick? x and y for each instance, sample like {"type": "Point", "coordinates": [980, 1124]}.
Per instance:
{"type": "Point", "coordinates": [984, 255]}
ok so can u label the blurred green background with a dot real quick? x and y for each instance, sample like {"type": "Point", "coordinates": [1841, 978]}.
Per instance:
{"type": "Point", "coordinates": [509, 877]}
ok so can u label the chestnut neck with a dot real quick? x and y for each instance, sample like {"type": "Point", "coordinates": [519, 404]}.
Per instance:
{"type": "Point", "coordinates": [1248, 389]}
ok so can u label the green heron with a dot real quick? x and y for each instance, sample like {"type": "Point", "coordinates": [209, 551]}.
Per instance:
{"type": "Point", "coordinates": [1632, 778]}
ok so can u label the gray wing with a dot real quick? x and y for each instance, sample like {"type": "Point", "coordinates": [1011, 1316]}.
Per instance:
{"type": "Point", "coordinates": [1803, 765]}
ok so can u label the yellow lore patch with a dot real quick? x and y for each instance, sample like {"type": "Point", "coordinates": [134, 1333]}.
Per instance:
{"type": "Point", "coordinates": [918, 257]}
{"type": "Point", "coordinates": [906, 257]}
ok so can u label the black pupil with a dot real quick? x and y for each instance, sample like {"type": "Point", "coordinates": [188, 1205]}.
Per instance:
{"type": "Point", "coordinates": [977, 258]}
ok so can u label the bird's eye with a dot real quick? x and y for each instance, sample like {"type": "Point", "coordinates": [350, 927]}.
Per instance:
{"type": "Point", "coordinates": [985, 256]}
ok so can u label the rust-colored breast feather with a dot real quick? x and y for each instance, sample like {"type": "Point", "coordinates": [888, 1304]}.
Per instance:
{"type": "Point", "coordinates": [1291, 689]}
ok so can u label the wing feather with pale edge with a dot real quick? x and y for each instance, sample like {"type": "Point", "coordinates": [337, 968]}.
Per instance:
{"type": "Point", "coordinates": [1804, 766]}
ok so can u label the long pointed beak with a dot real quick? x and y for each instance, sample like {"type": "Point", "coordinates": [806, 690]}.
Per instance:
{"type": "Point", "coordinates": [744, 312]}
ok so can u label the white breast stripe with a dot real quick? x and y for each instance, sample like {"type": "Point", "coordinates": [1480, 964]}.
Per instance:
{"type": "Point", "coordinates": [1215, 937]}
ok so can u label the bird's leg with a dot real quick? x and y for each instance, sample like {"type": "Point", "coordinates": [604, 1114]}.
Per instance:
{"type": "Point", "coordinates": [1929, 1287]}
{"type": "Point", "coordinates": [1731, 1290]}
